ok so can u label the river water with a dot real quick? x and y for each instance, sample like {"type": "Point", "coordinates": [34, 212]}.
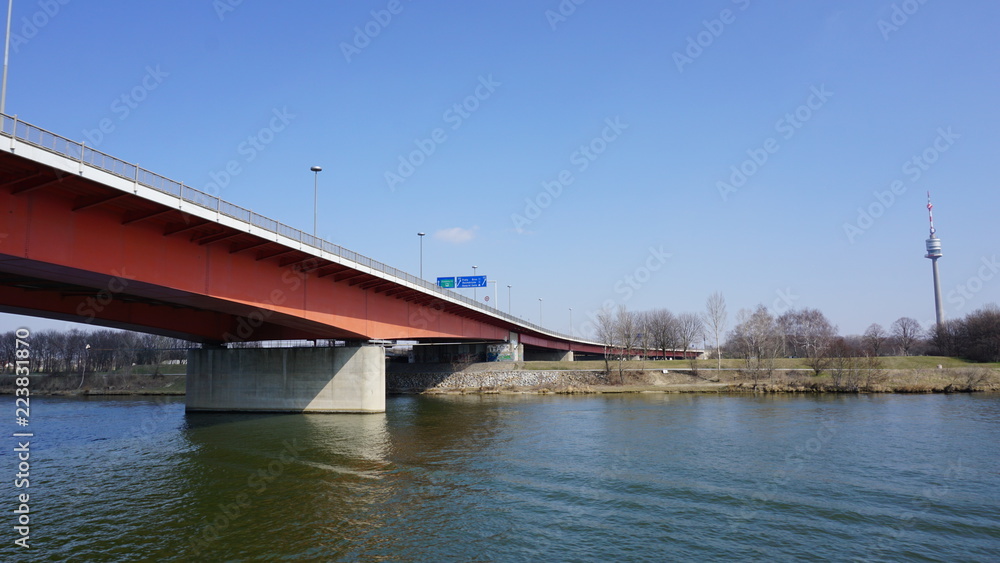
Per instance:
{"type": "Point", "coordinates": [515, 478]}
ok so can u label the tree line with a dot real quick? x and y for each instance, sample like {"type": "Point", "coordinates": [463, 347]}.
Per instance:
{"type": "Point", "coordinates": [77, 351]}
{"type": "Point", "coordinates": [975, 337]}
{"type": "Point", "coordinates": [759, 337]}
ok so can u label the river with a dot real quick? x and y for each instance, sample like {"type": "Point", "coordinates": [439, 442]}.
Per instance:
{"type": "Point", "coordinates": [641, 477]}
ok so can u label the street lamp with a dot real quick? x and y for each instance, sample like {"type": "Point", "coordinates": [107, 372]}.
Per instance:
{"type": "Point", "coordinates": [508, 299]}
{"type": "Point", "coordinates": [571, 321]}
{"type": "Point", "coordinates": [475, 292]}
{"type": "Point", "coordinates": [83, 366]}
{"type": "Point", "coordinates": [421, 235]}
{"type": "Point", "coordinates": [6, 52]}
{"type": "Point", "coordinates": [539, 311]}
{"type": "Point", "coordinates": [316, 170]}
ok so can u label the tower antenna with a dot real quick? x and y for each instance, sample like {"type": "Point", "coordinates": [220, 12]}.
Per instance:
{"type": "Point", "coordinates": [934, 252]}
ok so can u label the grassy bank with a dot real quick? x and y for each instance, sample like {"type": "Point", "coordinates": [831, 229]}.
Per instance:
{"type": "Point", "coordinates": [914, 374]}
{"type": "Point", "coordinates": [888, 362]}
{"type": "Point", "coordinates": [135, 383]}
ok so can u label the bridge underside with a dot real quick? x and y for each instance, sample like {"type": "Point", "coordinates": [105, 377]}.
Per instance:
{"type": "Point", "coordinates": [75, 249]}
{"type": "Point", "coordinates": [81, 242]}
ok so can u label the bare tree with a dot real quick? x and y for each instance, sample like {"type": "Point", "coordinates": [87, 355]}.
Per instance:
{"type": "Point", "coordinates": [689, 329]}
{"type": "Point", "coordinates": [845, 365]}
{"type": "Point", "coordinates": [664, 329]}
{"type": "Point", "coordinates": [644, 324]}
{"type": "Point", "coordinates": [626, 337]}
{"type": "Point", "coordinates": [947, 337]}
{"type": "Point", "coordinates": [906, 331]}
{"type": "Point", "coordinates": [8, 351]}
{"type": "Point", "coordinates": [715, 317]}
{"type": "Point", "coordinates": [606, 336]}
{"type": "Point", "coordinates": [808, 334]}
{"type": "Point", "coordinates": [874, 339]}
{"type": "Point", "coordinates": [757, 340]}
{"type": "Point", "coordinates": [980, 334]}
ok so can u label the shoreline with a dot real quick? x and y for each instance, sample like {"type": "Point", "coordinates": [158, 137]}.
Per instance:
{"type": "Point", "coordinates": [492, 379]}
{"type": "Point", "coordinates": [486, 379]}
{"type": "Point", "coordinates": [719, 389]}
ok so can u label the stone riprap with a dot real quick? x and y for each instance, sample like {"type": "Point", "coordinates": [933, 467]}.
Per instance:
{"type": "Point", "coordinates": [418, 382]}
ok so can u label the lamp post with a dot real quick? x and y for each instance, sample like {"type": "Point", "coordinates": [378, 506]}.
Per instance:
{"type": "Point", "coordinates": [421, 235]}
{"type": "Point", "coordinates": [508, 299]}
{"type": "Point", "coordinates": [83, 366]}
{"type": "Point", "coordinates": [475, 292]}
{"type": "Point", "coordinates": [316, 170]}
{"type": "Point", "coordinates": [6, 52]}
{"type": "Point", "coordinates": [571, 321]}
{"type": "Point", "coordinates": [539, 311]}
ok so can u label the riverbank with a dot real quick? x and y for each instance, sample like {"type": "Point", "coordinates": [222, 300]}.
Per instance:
{"type": "Point", "coordinates": [953, 376]}
{"type": "Point", "coordinates": [99, 384]}
{"type": "Point", "coordinates": [500, 378]}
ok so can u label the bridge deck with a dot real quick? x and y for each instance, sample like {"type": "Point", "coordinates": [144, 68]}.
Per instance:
{"type": "Point", "coordinates": [164, 233]}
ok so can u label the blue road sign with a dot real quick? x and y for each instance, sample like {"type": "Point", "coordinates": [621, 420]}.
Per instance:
{"type": "Point", "coordinates": [471, 281]}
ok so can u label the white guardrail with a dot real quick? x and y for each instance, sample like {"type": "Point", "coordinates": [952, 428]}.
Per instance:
{"type": "Point", "coordinates": [24, 132]}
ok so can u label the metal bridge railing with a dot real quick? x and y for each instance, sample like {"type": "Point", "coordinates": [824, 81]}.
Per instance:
{"type": "Point", "coordinates": [18, 130]}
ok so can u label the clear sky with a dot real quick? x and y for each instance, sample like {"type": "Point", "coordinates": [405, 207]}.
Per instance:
{"type": "Point", "coordinates": [638, 117]}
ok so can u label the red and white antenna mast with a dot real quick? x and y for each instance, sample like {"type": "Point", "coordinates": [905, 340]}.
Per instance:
{"type": "Point", "coordinates": [930, 212]}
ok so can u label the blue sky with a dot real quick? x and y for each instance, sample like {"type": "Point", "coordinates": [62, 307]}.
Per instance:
{"type": "Point", "coordinates": [636, 115]}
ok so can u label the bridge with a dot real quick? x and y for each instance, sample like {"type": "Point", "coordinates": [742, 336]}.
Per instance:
{"type": "Point", "coordinates": [88, 237]}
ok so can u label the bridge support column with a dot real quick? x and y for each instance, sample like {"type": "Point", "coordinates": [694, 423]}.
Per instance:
{"type": "Point", "coordinates": [287, 379]}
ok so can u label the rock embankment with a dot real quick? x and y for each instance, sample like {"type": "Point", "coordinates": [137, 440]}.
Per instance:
{"type": "Point", "coordinates": [494, 378]}
{"type": "Point", "coordinates": [421, 382]}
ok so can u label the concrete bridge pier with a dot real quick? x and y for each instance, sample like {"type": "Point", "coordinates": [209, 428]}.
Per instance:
{"type": "Point", "coordinates": [330, 380]}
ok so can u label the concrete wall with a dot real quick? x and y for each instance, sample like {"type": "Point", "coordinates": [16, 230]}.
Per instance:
{"type": "Point", "coordinates": [470, 352]}
{"type": "Point", "coordinates": [543, 355]}
{"type": "Point", "coordinates": [287, 379]}
{"type": "Point", "coordinates": [450, 353]}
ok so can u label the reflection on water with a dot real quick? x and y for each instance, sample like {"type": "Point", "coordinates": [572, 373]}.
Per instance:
{"type": "Point", "coordinates": [520, 478]}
